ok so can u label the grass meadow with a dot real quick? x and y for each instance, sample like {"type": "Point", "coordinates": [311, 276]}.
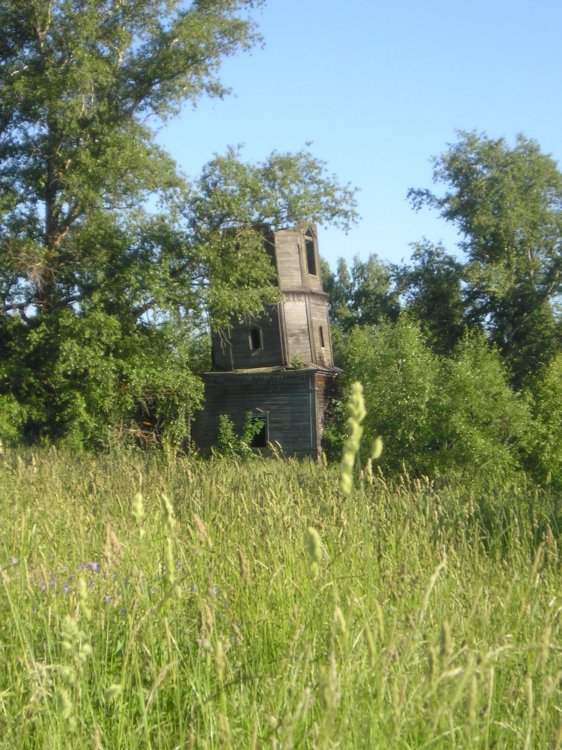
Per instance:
{"type": "Point", "coordinates": [164, 602]}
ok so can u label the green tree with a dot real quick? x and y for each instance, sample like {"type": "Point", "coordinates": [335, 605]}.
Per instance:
{"type": "Point", "coordinates": [234, 201]}
{"type": "Point", "coordinates": [546, 394]}
{"type": "Point", "coordinates": [362, 294]}
{"type": "Point", "coordinates": [432, 292]}
{"type": "Point", "coordinates": [79, 81]}
{"type": "Point", "coordinates": [506, 204]}
{"type": "Point", "coordinates": [400, 377]}
{"type": "Point", "coordinates": [481, 423]}
{"type": "Point", "coordinates": [110, 263]}
{"type": "Point", "coordinates": [438, 414]}
{"type": "Point", "coordinates": [284, 189]}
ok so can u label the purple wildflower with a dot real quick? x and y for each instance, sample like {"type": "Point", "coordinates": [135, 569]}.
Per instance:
{"type": "Point", "coordinates": [92, 565]}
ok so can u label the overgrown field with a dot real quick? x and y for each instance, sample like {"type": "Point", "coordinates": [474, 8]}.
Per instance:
{"type": "Point", "coordinates": [168, 603]}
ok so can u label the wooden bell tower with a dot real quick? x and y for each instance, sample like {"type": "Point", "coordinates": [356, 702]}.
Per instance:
{"type": "Point", "coordinates": [278, 366]}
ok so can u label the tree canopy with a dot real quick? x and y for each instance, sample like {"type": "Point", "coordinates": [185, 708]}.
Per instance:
{"type": "Point", "coordinates": [431, 288]}
{"type": "Point", "coordinates": [362, 294]}
{"type": "Point", "coordinates": [506, 202]}
{"type": "Point", "coordinates": [111, 264]}
{"type": "Point", "coordinates": [79, 82]}
{"type": "Point", "coordinates": [463, 369]}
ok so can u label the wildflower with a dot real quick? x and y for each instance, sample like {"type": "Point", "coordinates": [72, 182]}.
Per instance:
{"type": "Point", "coordinates": [92, 565]}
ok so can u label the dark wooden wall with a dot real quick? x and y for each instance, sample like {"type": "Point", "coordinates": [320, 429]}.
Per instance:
{"type": "Point", "coordinates": [288, 398]}
{"type": "Point", "coordinates": [232, 349]}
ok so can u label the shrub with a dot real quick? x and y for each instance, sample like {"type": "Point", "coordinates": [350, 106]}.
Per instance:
{"type": "Point", "coordinates": [483, 424]}
{"type": "Point", "coordinates": [546, 394]}
{"type": "Point", "coordinates": [400, 378]}
{"type": "Point", "coordinates": [439, 414]}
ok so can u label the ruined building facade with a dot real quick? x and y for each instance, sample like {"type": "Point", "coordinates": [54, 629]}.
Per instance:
{"type": "Point", "coordinates": [279, 366]}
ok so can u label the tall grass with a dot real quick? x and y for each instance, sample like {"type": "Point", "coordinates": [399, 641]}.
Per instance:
{"type": "Point", "coordinates": [151, 602]}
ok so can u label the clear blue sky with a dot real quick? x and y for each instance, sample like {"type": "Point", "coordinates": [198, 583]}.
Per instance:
{"type": "Point", "coordinates": [379, 88]}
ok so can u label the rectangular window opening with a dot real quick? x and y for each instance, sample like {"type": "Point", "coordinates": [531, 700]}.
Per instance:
{"type": "Point", "coordinates": [256, 341]}
{"type": "Point", "coordinates": [321, 335]}
{"type": "Point", "coordinates": [310, 255]}
{"type": "Point", "coordinates": [261, 436]}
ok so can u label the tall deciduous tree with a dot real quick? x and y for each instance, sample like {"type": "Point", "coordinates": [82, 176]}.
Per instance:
{"type": "Point", "coordinates": [233, 200]}
{"type": "Point", "coordinates": [506, 202]}
{"type": "Point", "coordinates": [432, 290]}
{"type": "Point", "coordinates": [79, 81]}
{"type": "Point", "coordinates": [362, 294]}
{"type": "Point", "coordinates": [110, 262]}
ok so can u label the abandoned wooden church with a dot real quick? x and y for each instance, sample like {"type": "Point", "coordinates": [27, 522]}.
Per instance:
{"type": "Point", "coordinates": [278, 367]}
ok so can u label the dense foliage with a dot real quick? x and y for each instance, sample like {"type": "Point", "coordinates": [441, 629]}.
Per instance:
{"type": "Point", "coordinates": [111, 264]}
{"type": "Point", "coordinates": [506, 203]}
{"type": "Point", "coordinates": [438, 415]}
{"type": "Point", "coordinates": [460, 354]}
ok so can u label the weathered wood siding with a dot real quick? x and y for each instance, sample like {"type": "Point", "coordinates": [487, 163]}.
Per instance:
{"type": "Point", "coordinates": [318, 309]}
{"type": "Point", "coordinates": [326, 388]}
{"type": "Point", "coordinates": [287, 260]}
{"type": "Point", "coordinates": [249, 358]}
{"type": "Point", "coordinates": [291, 261]}
{"type": "Point", "coordinates": [288, 398]}
{"type": "Point", "coordinates": [232, 349]}
{"type": "Point", "coordinates": [297, 326]}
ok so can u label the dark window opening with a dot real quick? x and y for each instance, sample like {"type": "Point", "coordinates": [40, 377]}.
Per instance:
{"type": "Point", "coordinates": [321, 333]}
{"type": "Point", "coordinates": [256, 339]}
{"type": "Point", "coordinates": [260, 438]}
{"type": "Point", "coordinates": [310, 255]}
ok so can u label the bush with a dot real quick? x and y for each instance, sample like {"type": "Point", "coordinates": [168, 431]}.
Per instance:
{"type": "Point", "coordinates": [546, 394]}
{"type": "Point", "coordinates": [400, 378]}
{"type": "Point", "coordinates": [483, 424]}
{"type": "Point", "coordinates": [438, 414]}
{"type": "Point", "coordinates": [12, 419]}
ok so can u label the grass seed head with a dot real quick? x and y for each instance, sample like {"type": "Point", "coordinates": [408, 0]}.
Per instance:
{"type": "Point", "coordinates": [220, 661]}
{"type": "Point", "coordinates": [138, 512]}
{"type": "Point", "coordinates": [244, 566]}
{"type": "Point", "coordinates": [357, 413]}
{"type": "Point", "coordinates": [113, 549]}
{"type": "Point", "coordinates": [314, 548]}
{"type": "Point", "coordinates": [202, 531]}
{"type": "Point", "coordinates": [445, 642]}
{"type": "Point", "coordinates": [169, 513]}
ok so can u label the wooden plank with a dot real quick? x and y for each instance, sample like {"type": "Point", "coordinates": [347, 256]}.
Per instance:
{"type": "Point", "coordinates": [283, 396]}
{"type": "Point", "coordinates": [296, 320]}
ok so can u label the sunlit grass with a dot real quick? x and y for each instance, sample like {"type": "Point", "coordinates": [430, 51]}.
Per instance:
{"type": "Point", "coordinates": [152, 602]}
